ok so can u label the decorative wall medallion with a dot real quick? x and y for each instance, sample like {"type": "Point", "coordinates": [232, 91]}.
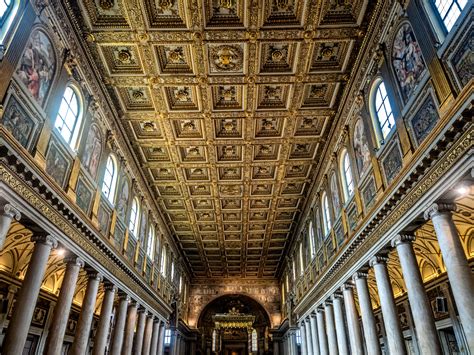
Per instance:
{"type": "Point", "coordinates": [174, 59]}
{"type": "Point", "coordinates": [309, 126]}
{"type": "Point", "coordinates": [330, 56]}
{"type": "Point", "coordinates": [424, 120]}
{"type": "Point", "coordinates": [181, 98]}
{"type": "Point", "coordinates": [227, 97]}
{"type": "Point", "coordinates": [392, 162]}
{"type": "Point", "coordinates": [122, 59]}
{"type": "Point", "coordinates": [277, 57]}
{"type": "Point", "coordinates": [272, 96]}
{"type": "Point", "coordinates": [226, 58]}
{"type": "Point", "coordinates": [228, 128]}
{"type": "Point", "coordinates": [166, 13]}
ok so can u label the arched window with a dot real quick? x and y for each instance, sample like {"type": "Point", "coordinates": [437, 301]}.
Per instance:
{"type": "Point", "coordinates": [110, 179]}
{"type": "Point", "coordinates": [214, 340]}
{"type": "Point", "coordinates": [8, 12]}
{"type": "Point", "coordinates": [312, 244]}
{"type": "Point", "coordinates": [382, 114]}
{"type": "Point", "coordinates": [172, 271]}
{"type": "Point", "coordinates": [301, 259]}
{"type": "Point", "coordinates": [150, 246]}
{"type": "Point", "coordinates": [346, 174]}
{"type": "Point", "coordinates": [254, 341]}
{"type": "Point", "coordinates": [180, 286]}
{"type": "Point", "coordinates": [134, 217]}
{"type": "Point", "coordinates": [69, 118]}
{"type": "Point", "coordinates": [326, 215]}
{"type": "Point", "coordinates": [163, 262]}
{"type": "Point", "coordinates": [293, 270]}
{"type": "Point", "coordinates": [449, 11]}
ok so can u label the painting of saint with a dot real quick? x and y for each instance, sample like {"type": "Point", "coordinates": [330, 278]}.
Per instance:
{"type": "Point", "coordinates": [37, 65]}
{"type": "Point", "coordinates": [408, 60]}
{"type": "Point", "coordinates": [103, 217]}
{"type": "Point", "coordinates": [83, 196]}
{"type": "Point", "coordinates": [92, 150]}
{"type": "Point", "coordinates": [361, 147]}
{"type": "Point", "coordinates": [122, 202]}
{"type": "Point", "coordinates": [16, 121]}
{"type": "Point", "coordinates": [57, 165]}
{"type": "Point", "coordinates": [335, 195]}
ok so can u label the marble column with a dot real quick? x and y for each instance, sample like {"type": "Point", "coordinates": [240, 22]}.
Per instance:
{"type": "Point", "coordinates": [396, 342]}
{"type": "Point", "coordinates": [54, 342]}
{"type": "Point", "coordinates": [425, 328]}
{"type": "Point", "coordinates": [155, 337]}
{"type": "Point", "coordinates": [118, 331]}
{"type": "Point", "coordinates": [309, 342]}
{"type": "Point", "coordinates": [330, 328]}
{"type": "Point", "coordinates": [314, 333]}
{"type": "Point", "coordinates": [337, 304]}
{"type": "Point", "coordinates": [276, 347]}
{"type": "Point", "coordinates": [147, 336]}
{"type": "Point", "coordinates": [161, 338]}
{"type": "Point", "coordinates": [457, 267]}
{"type": "Point", "coordinates": [323, 340]}
{"type": "Point", "coordinates": [8, 213]}
{"type": "Point", "coordinates": [19, 325]}
{"type": "Point", "coordinates": [83, 329]}
{"type": "Point", "coordinates": [138, 340]}
{"type": "Point", "coordinates": [130, 329]}
{"type": "Point", "coordinates": [304, 347]}
{"type": "Point", "coordinates": [367, 314]}
{"type": "Point", "coordinates": [100, 340]}
{"type": "Point", "coordinates": [355, 336]}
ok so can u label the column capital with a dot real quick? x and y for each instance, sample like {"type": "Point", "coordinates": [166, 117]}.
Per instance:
{"type": "Point", "coordinates": [402, 238]}
{"type": "Point", "coordinates": [307, 319]}
{"type": "Point", "coordinates": [359, 275]}
{"type": "Point", "coordinates": [328, 302]}
{"type": "Point", "coordinates": [108, 286]}
{"type": "Point", "coordinates": [45, 239]}
{"type": "Point", "coordinates": [320, 309]}
{"type": "Point", "coordinates": [74, 261]}
{"type": "Point", "coordinates": [337, 295]}
{"type": "Point", "coordinates": [347, 286]}
{"type": "Point", "coordinates": [92, 274]}
{"type": "Point", "coordinates": [142, 310]}
{"type": "Point", "coordinates": [11, 211]}
{"type": "Point", "coordinates": [378, 259]}
{"type": "Point", "coordinates": [439, 208]}
{"type": "Point", "coordinates": [124, 297]}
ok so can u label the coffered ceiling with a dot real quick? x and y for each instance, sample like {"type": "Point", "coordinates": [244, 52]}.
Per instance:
{"type": "Point", "coordinates": [227, 103]}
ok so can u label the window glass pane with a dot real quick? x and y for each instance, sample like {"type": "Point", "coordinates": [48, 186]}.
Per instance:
{"type": "Point", "coordinates": [449, 11]}
{"type": "Point", "coordinates": [68, 119]}
{"type": "Point", "coordinates": [110, 179]}
{"type": "Point", "coordinates": [383, 111]}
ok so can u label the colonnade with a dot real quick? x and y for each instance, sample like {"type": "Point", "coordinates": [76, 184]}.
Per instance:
{"type": "Point", "coordinates": [333, 326]}
{"type": "Point", "coordinates": [135, 330]}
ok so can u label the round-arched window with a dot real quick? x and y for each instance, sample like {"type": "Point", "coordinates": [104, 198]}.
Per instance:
{"type": "Point", "coordinates": [110, 179]}
{"type": "Point", "coordinates": [69, 118]}
{"type": "Point", "coordinates": [383, 118]}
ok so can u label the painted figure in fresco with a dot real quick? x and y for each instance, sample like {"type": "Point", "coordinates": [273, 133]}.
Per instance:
{"type": "Point", "coordinates": [123, 199]}
{"type": "Point", "coordinates": [37, 65]}
{"type": "Point", "coordinates": [361, 147]}
{"type": "Point", "coordinates": [56, 165]}
{"type": "Point", "coordinates": [83, 196]}
{"type": "Point", "coordinates": [408, 60]}
{"type": "Point", "coordinates": [16, 121]}
{"type": "Point", "coordinates": [92, 151]}
{"type": "Point", "coordinates": [335, 195]}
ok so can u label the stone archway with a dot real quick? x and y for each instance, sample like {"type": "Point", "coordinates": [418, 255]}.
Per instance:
{"type": "Point", "coordinates": [233, 317]}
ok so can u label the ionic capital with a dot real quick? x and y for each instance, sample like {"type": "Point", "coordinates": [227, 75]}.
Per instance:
{"type": "Point", "coordinates": [45, 239]}
{"type": "Point", "coordinates": [108, 286]}
{"type": "Point", "coordinates": [124, 297]}
{"type": "Point", "coordinates": [439, 208]}
{"type": "Point", "coordinates": [359, 275]}
{"type": "Point", "coordinates": [378, 259]}
{"type": "Point", "coordinates": [11, 211]}
{"type": "Point", "coordinates": [328, 303]}
{"type": "Point", "coordinates": [94, 275]}
{"type": "Point", "coordinates": [402, 239]}
{"type": "Point", "coordinates": [74, 261]}
{"type": "Point", "coordinates": [336, 295]}
{"type": "Point", "coordinates": [348, 286]}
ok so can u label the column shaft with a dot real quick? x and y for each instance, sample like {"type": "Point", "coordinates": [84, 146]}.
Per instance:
{"type": "Point", "coordinates": [340, 325]}
{"type": "Point", "coordinates": [396, 342]}
{"type": "Point", "coordinates": [425, 328]}
{"type": "Point", "coordinates": [138, 342]}
{"type": "Point", "coordinates": [54, 342]}
{"type": "Point", "coordinates": [81, 339]}
{"type": "Point", "coordinates": [323, 341]}
{"type": "Point", "coordinates": [355, 337]}
{"type": "Point", "coordinates": [130, 329]}
{"type": "Point", "coordinates": [304, 348]}
{"type": "Point", "coordinates": [100, 340]}
{"type": "Point", "coordinates": [457, 267]}
{"type": "Point", "coordinates": [330, 329]}
{"type": "Point", "coordinates": [309, 342]}
{"type": "Point", "coordinates": [155, 337]}
{"type": "Point", "coordinates": [19, 325]}
{"type": "Point", "coordinates": [368, 320]}
{"type": "Point", "coordinates": [118, 331]}
{"type": "Point", "coordinates": [8, 213]}
{"type": "Point", "coordinates": [314, 333]}
{"type": "Point", "coordinates": [161, 339]}
{"type": "Point", "coordinates": [147, 336]}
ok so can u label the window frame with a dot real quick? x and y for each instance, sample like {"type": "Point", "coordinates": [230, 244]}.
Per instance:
{"type": "Point", "coordinates": [112, 189]}
{"type": "Point", "coordinates": [301, 260]}
{"type": "Point", "coordinates": [312, 241]}
{"type": "Point", "coordinates": [348, 188]}
{"type": "Point", "coordinates": [136, 222]}
{"type": "Point", "coordinates": [381, 139]}
{"type": "Point", "coordinates": [439, 17]}
{"type": "Point", "coordinates": [75, 131]}
{"type": "Point", "coordinates": [163, 262]}
{"type": "Point", "coordinates": [167, 339]}
{"type": "Point", "coordinates": [327, 222]}
{"type": "Point", "coordinates": [150, 252]}
{"type": "Point", "coordinates": [8, 20]}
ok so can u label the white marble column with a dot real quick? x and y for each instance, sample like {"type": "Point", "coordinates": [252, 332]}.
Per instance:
{"type": "Point", "coordinates": [54, 342]}
{"type": "Point", "coordinates": [355, 337]}
{"type": "Point", "coordinates": [118, 331]}
{"type": "Point", "coordinates": [330, 328]}
{"type": "Point", "coordinates": [314, 333]}
{"type": "Point", "coordinates": [367, 314]}
{"type": "Point", "coordinates": [155, 337]}
{"type": "Point", "coordinates": [138, 342]}
{"type": "Point", "coordinates": [425, 328]}
{"type": "Point", "coordinates": [309, 341]}
{"type": "Point", "coordinates": [148, 335]}
{"type": "Point", "coordinates": [459, 273]}
{"type": "Point", "coordinates": [396, 342]}
{"type": "Point", "coordinates": [338, 307]}
{"type": "Point", "coordinates": [100, 340]}
{"type": "Point", "coordinates": [19, 325]}
{"type": "Point", "coordinates": [83, 329]}
{"type": "Point", "coordinates": [323, 340]}
{"type": "Point", "coordinates": [8, 213]}
{"type": "Point", "coordinates": [130, 328]}
{"type": "Point", "coordinates": [161, 339]}
{"type": "Point", "coordinates": [304, 347]}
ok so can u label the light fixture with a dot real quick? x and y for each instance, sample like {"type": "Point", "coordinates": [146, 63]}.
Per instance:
{"type": "Point", "coordinates": [61, 251]}
{"type": "Point", "coordinates": [462, 189]}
